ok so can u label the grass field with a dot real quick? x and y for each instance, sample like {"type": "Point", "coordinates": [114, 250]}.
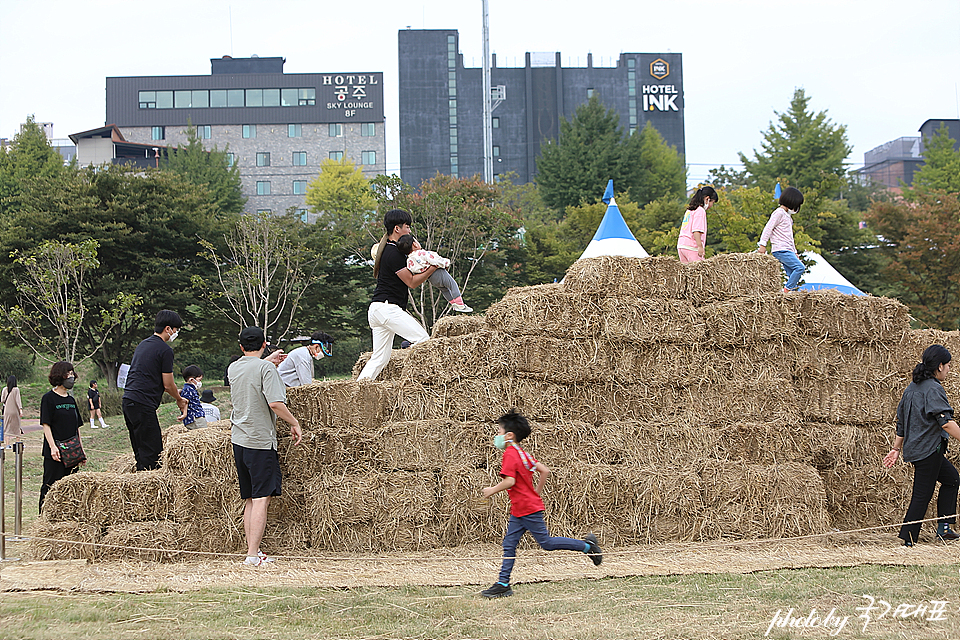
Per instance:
{"type": "Point", "coordinates": [698, 605]}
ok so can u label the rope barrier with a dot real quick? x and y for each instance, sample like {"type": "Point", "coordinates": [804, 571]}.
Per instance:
{"type": "Point", "coordinates": [707, 545]}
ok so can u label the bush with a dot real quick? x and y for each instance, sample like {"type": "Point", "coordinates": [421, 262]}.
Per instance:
{"type": "Point", "coordinates": [14, 362]}
{"type": "Point", "coordinates": [213, 364]}
{"type": "Point", "coordinates": [345, 354]}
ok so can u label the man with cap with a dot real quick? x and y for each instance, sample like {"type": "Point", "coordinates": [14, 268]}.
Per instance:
{"type": "Point", "coordinates": [297, 369]}
{"type": "Point", "coordinates": [258, 397]}
{"type": "Point", "coordinates": [210, 411]}
{"type": "Point", "coordinates": [151, 373]}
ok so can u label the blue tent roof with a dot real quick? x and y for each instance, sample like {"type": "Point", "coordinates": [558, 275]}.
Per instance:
{"type": "Point", "coordinates": [613, 225]}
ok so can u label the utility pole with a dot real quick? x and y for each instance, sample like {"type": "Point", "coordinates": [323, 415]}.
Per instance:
{"type": "Point", "coordinates": [487, 100]}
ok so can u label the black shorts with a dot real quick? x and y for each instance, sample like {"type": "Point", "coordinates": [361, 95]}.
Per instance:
{"type": "Point", "coordinates": [258, 471]}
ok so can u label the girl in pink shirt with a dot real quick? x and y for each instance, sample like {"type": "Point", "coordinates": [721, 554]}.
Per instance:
{"type": "Point", "coordinates": [693, 230]}
{"type": "Point", "coordinates": [779, 231]}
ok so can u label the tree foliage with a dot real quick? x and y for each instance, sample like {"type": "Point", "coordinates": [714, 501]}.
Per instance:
{"type": "Point", "coordinates": [921, 242]}
{"type": "Point", "coordinates": [800, 149]}
{"type": "Point", "coordinates": [210, 169]}
{"type": "Point", "coordinates": [941, 165]}
{"type": "Point", "coordinates": [29, 156]}
{"type": "Point", "coordinates": [654, 169]}
{"type": "Point", "coordinates": [342, 195]}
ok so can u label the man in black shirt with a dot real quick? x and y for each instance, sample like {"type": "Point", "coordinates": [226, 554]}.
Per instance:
{"type": "Point", "coordinates": [387, 314]}
{"type": "Point", "coordinates": [151, 373]}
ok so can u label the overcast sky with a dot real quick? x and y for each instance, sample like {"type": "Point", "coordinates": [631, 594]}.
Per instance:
{"type": "Point", "coordinates": [880, 67]}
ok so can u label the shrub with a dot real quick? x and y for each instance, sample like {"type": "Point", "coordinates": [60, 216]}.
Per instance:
{"type": "Point", "coordinates": [14, 362]}
{"type": "Point", "coordinates": [109, 402]}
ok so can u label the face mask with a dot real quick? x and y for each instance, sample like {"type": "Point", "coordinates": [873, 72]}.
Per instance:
{"type": "Point", "coordinates": [174, 335]}
{"type": "Point", "coordinates": [197, 384]}
{"type": "Point", "coordinates": [318, 356]}
{"type": "Point", "coordinates": [500, 442]}
{"type": "Point", "coordinates": [69, 382]}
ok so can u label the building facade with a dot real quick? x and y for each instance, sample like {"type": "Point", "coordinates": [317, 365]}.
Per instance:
{"type": "Point", "coordinates": [277, 127]}
{"type": "Point", "coordinates": [893, 163]}
{"type": "Point", "coordinates": [441, 106]}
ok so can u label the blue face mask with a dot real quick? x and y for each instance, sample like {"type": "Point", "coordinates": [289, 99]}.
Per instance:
{"type": "Point", "coordinates": [500, 442]}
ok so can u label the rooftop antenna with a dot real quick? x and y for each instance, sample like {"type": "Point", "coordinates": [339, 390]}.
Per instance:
{"type": "Point", "coordinates": [231, 31]}
{"type": "Point", "coordinates": [487, 100]}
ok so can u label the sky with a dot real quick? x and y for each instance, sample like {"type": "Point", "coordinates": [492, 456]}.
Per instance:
{"type": "Point", "coordinates": [880, 68]}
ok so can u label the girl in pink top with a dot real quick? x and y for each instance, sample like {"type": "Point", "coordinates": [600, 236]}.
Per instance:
{"type": "Point", "coordinates": [418, 259]}
{"type": "Point", "coordinates": [693, 230]}
{"type": "Point", "coordinates": [779, 231]}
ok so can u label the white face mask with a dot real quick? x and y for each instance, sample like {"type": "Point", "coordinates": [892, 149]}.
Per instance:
{"type": "Point", "coordinates": [173, 336]}
{"type": "Point", "coordinates": [318, 356]}
{"type": "Point", "coordinates": [197, 383]}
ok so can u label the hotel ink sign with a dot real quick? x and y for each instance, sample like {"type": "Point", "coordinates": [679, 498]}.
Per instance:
{"type": "Point", "coordinates": [660, 97]}
{"type": "Point", "coordinates": [352, 95]}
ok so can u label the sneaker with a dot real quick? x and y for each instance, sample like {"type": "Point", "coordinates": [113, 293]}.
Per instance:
{"type": "Point", "coordinates": [595, 553]}
{"type": "Point", "coordinates": [948, 534]}
{"type": "Point", "coordinates": [264, 558]}
{"type": "Point", "coordinates": [497, 591]}
{"type": "Point", "coordinates": [93, 426]}
{"type": "Point", "coordinates": [253, 561]}
{"type": "Point", "coordinates": [103, 425]}
{"type": "Point", "coordinates": [405, 344]}
{"type": "Point", "coordinates": [462, 308]}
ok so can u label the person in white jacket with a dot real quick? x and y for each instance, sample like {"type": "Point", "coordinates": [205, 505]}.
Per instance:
{"type": "Point", "coordinates": [297, 368]}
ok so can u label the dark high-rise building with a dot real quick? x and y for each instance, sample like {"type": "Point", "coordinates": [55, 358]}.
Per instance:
{"type": "Point", "coordinates": [441, 106]}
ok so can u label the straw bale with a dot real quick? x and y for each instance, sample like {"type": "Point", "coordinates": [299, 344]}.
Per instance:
{"type": "Point", "coordinates": [551, 402]}
{"type": "Point", "coordinates": [213, 535]}
{"type": "Point", "coordinates": [123, 463]}
{"type": "Point", "coordinates": [320, 449]}
{"type": "Point", "coordinates": [741, 321]}
{"type": "Point", "coordinates": [200, 452]}
{"type": "Point", "coordinates": [655, 277]}
{"type": "Point", "coordinates": [204, 497]}
{"type": "Point", "coordinates": [646, 320]}
{"type": "Point", "coordinates": [850, 400]}
{"type": "Point", "coordinates": [159, 534]}
{"type": "Point", "coordinates": [574, 443]}
{"type": "Point", "coordinates": [910, 349]}
{"type": "Point", "coordinates": [65, 538]}
{"type": "Point", "coordinates": [376, 537]}
{"type": "Point", "coordinates": [867, 494]}
{"type": "Point", "coordinates": [625, 504]}
{"type": "Point", "coordinates": [427, 445]}
{"type": "Point", "coordinates": [732, 275]}
{"type": "Point", "coordinates": [817, 444]}
{"type": "Point", "coordinates": [465, 400]}
{"type": "Point", "coordinates": [763, 362]}
{"type": "Point", "coordinates": [822, 358]}
{"type": "Point", "coordinates": [830, 314]}
{"type": "Point", "coordinates": [109, 498]}
{"type": "Point", "coordinates": [484, 354]}
{"type": "Point", "coordinates": [340, 403]}
{"type": "Point", "coordinates": [374, 496]}
{"type": "Point", "coordinates": [550, 311]}
{"type": "Point", "coordinates": [743, 399]}
{"type": "Point", "coordinates": [393, 369]}
{"type": "Point", "coordinates": [763, 501]}
{"type": "Point", "coordinates": [173, 431]}
{"type": "Point", "coordinates": [457, 325]}
{"type": "Point", "coordinates": [550, 287]}
{"type": "Point", "coordinates": [463, 515]}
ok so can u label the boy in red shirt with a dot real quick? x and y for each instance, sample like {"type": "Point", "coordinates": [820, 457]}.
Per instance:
{"type": "Point", "coordinates": [526, 507]}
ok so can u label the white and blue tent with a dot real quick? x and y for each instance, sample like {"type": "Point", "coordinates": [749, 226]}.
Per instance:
{"type": "Point", "coordinates": [613, 236]}
{"type": "Point", "coordinates": [821, 275]}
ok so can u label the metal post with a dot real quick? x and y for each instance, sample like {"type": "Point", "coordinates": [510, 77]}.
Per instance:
{"type": "Point", "coordinates": [18, 490]}
{"type": "Point", "coordinates": [487, 100]}
{"type": "Point", "coordinates": [3, 515]}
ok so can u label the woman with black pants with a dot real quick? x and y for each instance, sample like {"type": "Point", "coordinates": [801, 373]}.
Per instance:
{"type": "Point", "coordinates": [60, 420]}
{"type": "Point", "coordinates": [924, 425]}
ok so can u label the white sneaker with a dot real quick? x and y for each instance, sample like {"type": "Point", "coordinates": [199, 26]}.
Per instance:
{"type": "Point", "coordinates": [252, 561]}
{"type": "Point", "coordinates": [462, 308]}
{"type": "Point", "coordinates": [93, 426]}
{"type": "Point", "coordinates": [264, 558]}
{"type": "Point", "coordinates": [104, 425]}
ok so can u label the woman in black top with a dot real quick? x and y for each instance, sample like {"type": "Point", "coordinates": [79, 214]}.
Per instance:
{"type": "Point", "coordinates": [60, 420]}
{"type": "Point", "coordinates": [387, 314]}
{"type": "Point", "coordinates": [924, 424]}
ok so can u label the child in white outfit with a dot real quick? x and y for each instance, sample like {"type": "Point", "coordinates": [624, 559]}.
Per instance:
{"type": "Point", "coordinates": [419, 259]}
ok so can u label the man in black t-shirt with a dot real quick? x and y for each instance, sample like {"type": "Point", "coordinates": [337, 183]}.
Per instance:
{"type": "Point", "coordinates": [151, 373]}
{"type": "Point", "coordinates": [387, 314]}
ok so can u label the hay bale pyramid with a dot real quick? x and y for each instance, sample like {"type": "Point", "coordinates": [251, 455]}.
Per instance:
{"type": "Point", "coordinates": [673, 403]}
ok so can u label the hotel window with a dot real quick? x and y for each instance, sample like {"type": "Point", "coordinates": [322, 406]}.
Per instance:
{"type": "Point", "coordinates": [496, 151]}
{"type": "Point", "coordinates": [164, 99]}
{"type": "Point", "coordinates": [264, 212]}
{"type": "Point", "coordinates": [368, 129]}
{"type": "Point", "coordinates": [294, 131]}
{"type": "Point", "coordinates": [336, 130]}
{"type": "Point", "coordinates": [299, 158]}
{"type": "Point", "coordinates": [158, 133]}
{"type": "Point", "coordinates": [263, 159]}
{"type": "Point", "coordinates": [234, 97]}
{"type": "Point", "coordinates": [303, 215]}
{"type": "Point", "coordinates": [368, 157]}
{"type": "Point", "coordinates": [218, 97]}
{"type": "Point", "coordinates": [263, 187]}
{"type": "Point", "coordinates": [336, 155]}
{"type": "Point", "coordinates": [308, 97]}
{"type": "Point", "coordinates": [148, 99]}
{"type": "Point", "coordinates": [299, 187]}
{"type": "Point", "coordinates": [249, 131]}
{"type": "Point", "coordinates": [203, 131]}
{"type": "Point", "coordinates": [231, 159]}
{"type": "Point", "coordinates": [496, 123]}
{"type": "Point", "coordinates": [589, 93]}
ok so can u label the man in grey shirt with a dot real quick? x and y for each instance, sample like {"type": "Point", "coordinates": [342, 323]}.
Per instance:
{"type": "Point", "coordinates": [258, 397]}
{"type": "Point", "coordinates": [297, 369]}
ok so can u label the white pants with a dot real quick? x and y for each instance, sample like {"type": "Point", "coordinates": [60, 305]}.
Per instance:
{"type": "Point", "coordinates": [387, 320]}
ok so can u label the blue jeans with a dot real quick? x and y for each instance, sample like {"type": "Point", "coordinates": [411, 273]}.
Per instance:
{"type": "Point", "coordinates": [538, 529]}
{"type": "Point", "coordinates": [792, 266]}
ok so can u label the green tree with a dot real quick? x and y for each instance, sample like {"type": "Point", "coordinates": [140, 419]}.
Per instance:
{"type": "Point", "coordinates": [51, 311]}
{"type": "Point", "coordinates": [211, 169]}
{"type": "Point", "coordinates": [941, 164]}
{"type": "Point", "coordinates": [799, 150]}
{"type": "Point", "coordinates": [343, 200]}
{"type": "Point", "coordinates": [921, 241]}
{"type": "Point", "coordinates": [576, 167]}
{"type": "Point", "coordinates": [146, 223]}
{"type": "Point", "coordinates": [735, 223]}
{"type": "Point", "coordinates": [29, 156]}
{"type": "Point", "coordinates": [653, 169]}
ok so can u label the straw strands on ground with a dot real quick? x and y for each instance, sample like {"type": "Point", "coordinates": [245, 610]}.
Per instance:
{"type": "Point", "coordinates": [672, 402]}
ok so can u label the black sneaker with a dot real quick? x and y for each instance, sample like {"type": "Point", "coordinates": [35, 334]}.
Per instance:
{"type": "Point", "coordinates": [497, 591]}
{"type": "Point", "coordinates": [405, 344]}
{"type": "Point", "coordinates": [948, 534]}
{"type": "Point", "coordinates": [595, 553]}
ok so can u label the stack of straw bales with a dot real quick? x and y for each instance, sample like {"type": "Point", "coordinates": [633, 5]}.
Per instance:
{"type": "Point", "coordinates": [672, 402]}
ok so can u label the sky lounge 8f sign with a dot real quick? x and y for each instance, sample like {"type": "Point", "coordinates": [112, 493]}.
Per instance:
{"type": "Point", "coordinates": [352, 96]}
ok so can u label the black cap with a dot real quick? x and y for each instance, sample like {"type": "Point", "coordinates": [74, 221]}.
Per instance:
{"type": "Point", "coordinates": [207, 396]}
{"type": "Point", "coordinates": [252, 338]}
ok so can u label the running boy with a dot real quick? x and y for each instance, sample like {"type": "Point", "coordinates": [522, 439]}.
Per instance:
{"type": "Point", "coordinates": [526, 507]}
{"type": "Point", "coordinates": [419, 259]}
{"type": "Point", "coordinates": [779, 231]}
